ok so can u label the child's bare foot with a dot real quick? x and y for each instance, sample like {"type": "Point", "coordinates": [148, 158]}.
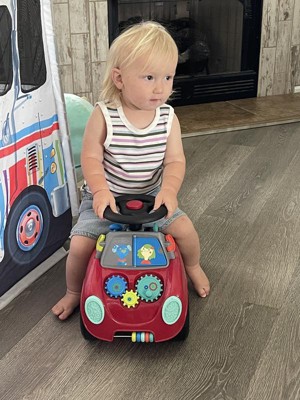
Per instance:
{"type": "Point", "coordinates": [199, 280]}
{"type": "Point", "coordinates": [66, 305]}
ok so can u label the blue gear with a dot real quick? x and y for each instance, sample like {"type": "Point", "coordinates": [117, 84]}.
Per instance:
{"type": "Point", "coordinates": [115, 286]}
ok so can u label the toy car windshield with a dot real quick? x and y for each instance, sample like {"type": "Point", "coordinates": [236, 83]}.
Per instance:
{"type": "Point", "coordinates": [134, 251]}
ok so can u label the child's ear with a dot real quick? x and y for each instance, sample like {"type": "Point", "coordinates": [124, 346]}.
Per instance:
{"type": "Point", "coordinates": [117, 78]}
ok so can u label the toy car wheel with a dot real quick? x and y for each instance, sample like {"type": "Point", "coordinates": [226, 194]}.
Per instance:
{"type": "Point", "coordinates": [85, 333]}
{"type": "Point", "coordinates": [184, 333]}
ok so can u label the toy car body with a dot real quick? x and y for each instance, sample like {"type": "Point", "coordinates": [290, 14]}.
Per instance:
{"type": "Point", "coordinates": [126, 294]}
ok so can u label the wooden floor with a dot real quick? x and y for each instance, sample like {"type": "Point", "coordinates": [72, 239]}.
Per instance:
{"type": "Point", "coordinates": [242, 190]}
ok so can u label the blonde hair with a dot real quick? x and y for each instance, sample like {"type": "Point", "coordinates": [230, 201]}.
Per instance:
{"type": "Point", "coordinates": [149, 39]}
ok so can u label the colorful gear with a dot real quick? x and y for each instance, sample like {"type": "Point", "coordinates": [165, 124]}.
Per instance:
{"type": "Point", "coordinates": [115, 286]}
{"type": "Point", "coordinates": [130, 298]}
{"type": "Point", "coordinates": [149, 288]}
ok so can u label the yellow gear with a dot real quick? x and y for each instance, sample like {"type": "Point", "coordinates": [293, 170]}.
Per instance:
{"type": "Point", "coordinates": [130, 299]}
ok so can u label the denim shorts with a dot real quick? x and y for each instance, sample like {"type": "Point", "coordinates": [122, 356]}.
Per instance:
{"type": "Point", "coordinates": [90, 225]}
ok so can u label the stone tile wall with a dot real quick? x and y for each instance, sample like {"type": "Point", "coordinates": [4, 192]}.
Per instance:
{"type": "Point", "coordinates": [81, 28]}
{"type": "Point", "coordinates": [279, 69]}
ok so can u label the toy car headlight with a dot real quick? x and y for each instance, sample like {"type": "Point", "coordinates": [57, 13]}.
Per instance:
{"type": "Point", "coordinates": [171, 310]}
{"type": "Point", "coordinates": [94, 310]}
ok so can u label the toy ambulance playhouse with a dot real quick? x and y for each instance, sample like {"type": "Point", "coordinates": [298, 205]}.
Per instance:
{"type": "Point", "coordinates": [36, 171]}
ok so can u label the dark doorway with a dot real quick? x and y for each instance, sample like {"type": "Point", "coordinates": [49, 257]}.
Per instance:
{"type": "Point", "coordinates": [218, 42]}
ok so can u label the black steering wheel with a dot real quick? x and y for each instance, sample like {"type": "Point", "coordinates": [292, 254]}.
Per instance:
{"type": "Point", "coordinates": [135, 209]}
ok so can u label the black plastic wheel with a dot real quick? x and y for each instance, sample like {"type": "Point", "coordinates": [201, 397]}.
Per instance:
{"type": "Point", "coordinates": [85, 333]}
{"type": "Point", "coordinates": [184, 333]}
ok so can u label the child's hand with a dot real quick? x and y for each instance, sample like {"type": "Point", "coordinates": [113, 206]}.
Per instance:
{"type": "Point", "coordinates": [101, 200]}
{"type": "Point", "coordinates": [167, 197]}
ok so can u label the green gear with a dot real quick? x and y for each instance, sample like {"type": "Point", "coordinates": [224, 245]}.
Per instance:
{"type": "Point", "coordinates": [149, 288]}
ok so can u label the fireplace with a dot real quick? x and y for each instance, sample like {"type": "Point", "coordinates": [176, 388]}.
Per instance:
{"type": "Point", "coordinates": [218, 43]}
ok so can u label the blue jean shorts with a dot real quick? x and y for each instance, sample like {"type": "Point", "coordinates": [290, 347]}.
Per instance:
{"type": "Point", "coordinates": [90, 225]}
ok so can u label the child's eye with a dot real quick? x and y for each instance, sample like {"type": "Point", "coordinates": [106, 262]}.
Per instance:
{"type": "Point", "coordinates": [149, 77]}
{"type": "Point", "coordinates": [169, 77]}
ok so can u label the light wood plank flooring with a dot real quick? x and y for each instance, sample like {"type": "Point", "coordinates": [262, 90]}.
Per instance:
{"type": "Point", "coordinates": [242, 190]}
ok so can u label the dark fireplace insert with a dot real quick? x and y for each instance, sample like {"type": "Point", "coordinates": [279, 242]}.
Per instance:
{"type": "Point", "coordinates": [218, 43]}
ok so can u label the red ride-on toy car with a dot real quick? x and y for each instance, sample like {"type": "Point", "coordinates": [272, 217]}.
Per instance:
{"type": "Point", "coordinates": [135, 285]}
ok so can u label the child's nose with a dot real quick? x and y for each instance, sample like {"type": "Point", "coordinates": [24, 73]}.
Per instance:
{"type": "Point", "coordinates": [158, 87]}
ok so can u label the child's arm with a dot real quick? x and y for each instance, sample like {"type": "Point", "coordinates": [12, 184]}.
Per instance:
{"type": "Point", "coordinates": [92, 162]}
{"type": "Point", "coordinates": [174, 170]}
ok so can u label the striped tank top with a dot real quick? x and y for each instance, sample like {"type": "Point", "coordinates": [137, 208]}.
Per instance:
{"type": "Point", "coordinates": [133, 158]}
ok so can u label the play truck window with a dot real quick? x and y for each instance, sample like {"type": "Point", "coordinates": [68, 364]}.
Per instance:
{"type": "Point", "coordinates": [30, 44]}
{"type": "Point", "coordinates": [6, 73]}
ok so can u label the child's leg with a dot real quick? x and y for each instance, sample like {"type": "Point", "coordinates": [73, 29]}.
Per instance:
{"type": "Point", "coordinates": [187, 239]}
{"type": "Point", "coordinates": [81, 248]}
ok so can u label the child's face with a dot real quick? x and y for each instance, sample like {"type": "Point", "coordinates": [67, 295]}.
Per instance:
{"type": "Point", "coordinates": [146, 89]}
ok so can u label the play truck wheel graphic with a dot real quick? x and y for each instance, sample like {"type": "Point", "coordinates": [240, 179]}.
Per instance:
{"type": "Point", "coordinates": [28, 226]}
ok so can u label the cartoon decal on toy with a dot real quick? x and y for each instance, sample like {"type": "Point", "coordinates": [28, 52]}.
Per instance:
{"type": "Point", "coordinates": [122, 251]}
{"type": "Point", "coordinates": [147, 252]}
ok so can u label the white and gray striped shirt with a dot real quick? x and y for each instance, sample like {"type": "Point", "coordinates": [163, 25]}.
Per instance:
{"type": "Point", "coordinates": [133, 158]}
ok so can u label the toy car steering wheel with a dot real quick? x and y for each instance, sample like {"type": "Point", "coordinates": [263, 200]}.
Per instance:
{"type": "Point", "coordinates": [135, 209]}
